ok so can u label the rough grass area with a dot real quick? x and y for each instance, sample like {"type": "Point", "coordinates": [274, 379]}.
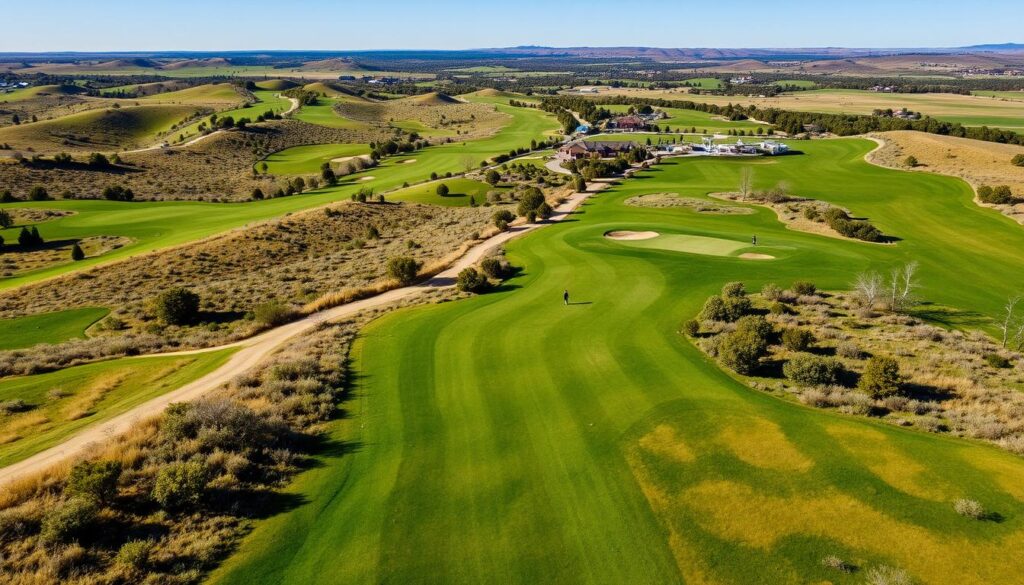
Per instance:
{"type": "Point", "coordinates": [694, 203]}
{"type": "Point", "coordinates": [17, 260]}
{"type": "Point", "coordinates": [293, 260]}
{"type": "Point", "coordinates": [48, 327]}
{"type": "Point", "coordinates": [975, 161]}
{"type": "Point", "coordinates": [429, 115]}
{"type": "Point", "coordinates": [53, 406]}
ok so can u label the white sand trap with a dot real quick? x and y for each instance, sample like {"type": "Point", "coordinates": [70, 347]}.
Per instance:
{"type": "Point", "coordinates": [342, 159]}
{"type": "Point", "coordinates": [753, 256]}
{"type": "Point", "coordinates": [408, 161]}
{"type": "Point", "coordinates": [370, 178]}
{"type": "Point", "coordinates": [627, 235]}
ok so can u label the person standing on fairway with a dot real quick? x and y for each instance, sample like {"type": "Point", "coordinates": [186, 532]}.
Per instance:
{"type": "Point", "coordinates": [753, 239]}
{"type": "Point", "coordinates": [565, 296]}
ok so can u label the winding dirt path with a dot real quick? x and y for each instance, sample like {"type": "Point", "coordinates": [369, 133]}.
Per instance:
{"type": "Point", "coordinates": [256, 349]}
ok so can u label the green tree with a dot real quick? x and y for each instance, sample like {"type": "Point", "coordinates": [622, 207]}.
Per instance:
{"type": "Point", "coordinates": [714, 310]}
{"type": "Point", "coordinates": [38, 193]}
{"type": "Point", "coordinates": [442, 190]}
{"type": "Point", "coordinates": [180, 484]}
{"type": "Point", "coordinates": [579, 184]}
{"type": "Point", "coordinates": [6, 220]}
{"type": "Point", "coordinates": [493, 177]}
{"type": "Point", "coordinates": [469, 280]}
{"type": "Point", "coordinates": [403, 269]}
{"type": "Point", "coordinates": [743, 349]}
{"type": "Point", "coordinates": [881, 377]}
{"type": "Point", "coordinates": [797, 339]}
{"type": "Point", "coordinates": [502, 218]}
{"type": "Point", "coordinates": [177, 306]}
{"type": "Point", "coordinates": [94, 479]}
{"type": "Point", "coordinates": [77, 253]}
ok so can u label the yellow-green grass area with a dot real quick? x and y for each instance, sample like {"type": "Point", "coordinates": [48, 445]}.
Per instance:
{"type": "Point", "coordinates": [801, 83]}
{"type": "Point", "coordinates": [460, 191]}
{"type": "Point", "coordinates": [48, 327]}
{"type": "Point", "coordinates": [706, 82]}
{"type": "Point", "coordinates": [210, 94]}
{"type": "Point", "coordinates": [266, 101]}
{"type": "Point", "coordinates": [299, 160]}
{"type": "Point", "coordinates": [107, 128]}
{"type": "Point", "coordinates": [324, 114]}
{"type": "Point", "coordinates": [152, 225]}
{"type": "Point", "coordinates": [276, 84]}
{"type": "Point", "coordinates": [59, 404]}
{"type": "Point", "coordinates": [703, 122]}
{"type": "Point", "coordinates": [509, 438]}
{"type": "Point", "coordinates": [38, 91]}
{"type": "Point", "coordinates": [1009, 95]}
{"type": "Point", "coordinates": [693, 244]}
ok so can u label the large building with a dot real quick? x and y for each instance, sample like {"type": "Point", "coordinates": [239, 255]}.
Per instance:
{"type": "Point", "coordinates": [595, 149]}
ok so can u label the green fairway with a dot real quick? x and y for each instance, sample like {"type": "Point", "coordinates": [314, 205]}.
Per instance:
{"type": "Point", "coordinates": [158, 224]}
{"type": "Point", "coordinates": [509, 438]}
{"type": "Point", "coordinates": [459, 192]}
{"type": "Point", "coordinates": [308, 159]}
{"type": "Point", "coordinates": [63, 402]}
{"type": "Point", "coordinates": [324, 114]}
{"type": "Point", "coordinates": [47, 327]}
{"type": "Point", "coordinates": [266, 101]}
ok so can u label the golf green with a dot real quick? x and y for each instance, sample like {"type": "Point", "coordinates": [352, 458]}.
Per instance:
{"type": "Point", "coordinates": [510, 438]}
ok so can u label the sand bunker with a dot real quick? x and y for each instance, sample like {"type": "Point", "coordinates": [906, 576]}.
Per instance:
{"type": "Point", "coordinates": [342, 159]}
{"type": "Point", "coordinates": [627, 235]}
{"type": "Point", "coordinates": [370, 178]}
{"type": "Point", "coordinates": [753, 256]}
{"type": "Point", "coordinates": [408, 161]}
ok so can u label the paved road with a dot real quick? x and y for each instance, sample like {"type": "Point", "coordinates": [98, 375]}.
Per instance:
{"type": "Point", "coordinates": [256, 349]}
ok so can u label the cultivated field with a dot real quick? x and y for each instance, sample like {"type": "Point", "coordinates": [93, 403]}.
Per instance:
{"type": "Point", "coordinates": [606, 448]}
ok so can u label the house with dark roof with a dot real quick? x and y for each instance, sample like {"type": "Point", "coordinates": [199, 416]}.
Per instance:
{"type": "Point", "coordinates": [595, 149]}
{"type": "Point", "coordinates": [630, 123]}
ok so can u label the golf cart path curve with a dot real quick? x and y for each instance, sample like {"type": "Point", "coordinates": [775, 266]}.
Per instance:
{"type": "Point", "coordinates": [256, 349]}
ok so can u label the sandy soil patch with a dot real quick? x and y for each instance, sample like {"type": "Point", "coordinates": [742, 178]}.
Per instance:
{"type": "Point", "coordinates": [754, 256]}
{"type": "Point", "coordinates": [344, 159]}
{"type": "Point", "coordinates": [33, 215]}
{"type": "Point", "coordinates": [369, 178]}
{"type": "Point", "coordinates": [408, 161]}
{"type": "Point", "coordinates": [628, 235]}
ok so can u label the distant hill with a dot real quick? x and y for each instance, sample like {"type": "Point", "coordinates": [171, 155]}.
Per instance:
{"type": "Point", "coordinates": [432, 99]}
{"type": "Point", "coordinates": [996, 47]}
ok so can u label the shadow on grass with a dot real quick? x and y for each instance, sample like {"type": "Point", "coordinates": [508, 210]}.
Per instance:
{"type": "Point", "coordinates": [949, 317]}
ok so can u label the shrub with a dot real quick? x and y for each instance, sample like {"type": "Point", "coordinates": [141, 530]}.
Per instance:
{"type": "Point", "coordinates": [1017, 160]}
{"type": "Point", "coordinates": [969, 508]}
{"type": "Point", "coordinates": [771, 291]}
{"type": "Point", "coordinates": [134, 554]}
{"type": "Point", "coordinates": [910, 161]}
{"type": "Point", "coordinates": [714, 310]}
{"type": "Point", "coordinates": [736, 307]}
{"type": "Point", "coordinates": [38, 193]}
{"type": "Point", "coordinates": [691, 327]}
{"type": "Point", "coordinates": [492, 177]}
{"type": "Point", "coordinates": [849, 350]}
{"type": "Point", "coordinates": [802, 287]}
{"type": "Point", "coordinates": [179, 484]}
{"type": "Point", "coordinates": [579, 184]}
{"type": "Point", "coordinates": [530, 201]}
{"type": "Point", "coordinates": [813, 370]}
{"type": "Point", "coordinates": [117, 193]}
{"type": "Point", "coordinates": [177, 306]}
{"type": "Point", "coordinates": [997, 195]}
{"type": "Point", "coordinates": [881, 377]}
{"type": "Point", "coordinates": [469, 280]}
{"type": "Point", "coordinates": [403, 269]}
{"type": "Point", "coordinates": [94, 479]}
{"type": "Point", "coordinates": [997, 361]}
{"type": "Point", "coordinates": [442, 190]}
{"type": "Point", "coordinates": [273, 313]}
{"type": "Point", "coordinates": [885, 575]}
{"type": "Point", "coordinates": [68, 520]}
{"type": "Point", "coordinates": [494, 268]}
{"type": "Point", "coordinates": [13, 405]}
{"type": "Point", "coordinates": [77, 253]}
{"type": "Point", "coordinates": [734, 289]}
{"type": "Point", "coordinates": [6, 220]}
{"type": "Point", "coordinates": [742, 349]}
{"type": "Point", "coordinates": [779, 308]}
{"type": "Point", "coordinates": [834, 562]}
{"type": "Point", "coordinates": [797, 339]}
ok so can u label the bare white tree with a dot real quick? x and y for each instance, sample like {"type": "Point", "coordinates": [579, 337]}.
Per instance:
{"type": "Point", "coordinates": [468, 162]}
{"type": "Point", "coordinates": [1010, 327]}
{"type": "Point", "coordinates": [746, 182]}
{"type": "Point", "coordinates": [868, 287]}
{"type": "Point", "coordinates": [902, 283]}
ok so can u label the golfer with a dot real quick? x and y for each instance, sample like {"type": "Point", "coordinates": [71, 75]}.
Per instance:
{"type": "Point", "coordinates": [565, 296]}
{"type": "Point", "coordinates": [753, 239]}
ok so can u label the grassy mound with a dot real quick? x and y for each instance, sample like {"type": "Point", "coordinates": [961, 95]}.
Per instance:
{"type": "Point", "coordinates": [98, 130]}
{"type": "Point", "coordinates": [330, 90]}
{"type": "Point", "coordinates": [276, 84]}
{"type": "Point", "coordinates": [210, 93]}
{"type": "Point", "coordinates": [433, 98]}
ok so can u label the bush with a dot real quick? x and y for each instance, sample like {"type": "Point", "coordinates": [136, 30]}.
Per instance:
{"type": "Point", "coordinates": [802, 287]}
{"type": "Point", "coordinates": [6, 220]}
{"type": "Point", "coordinates": [117, 193]}
{"type": "Point", "coordinates": [881, 377]}
{"type": "Point", "coordinates": [530, 201]}
{"type": "Point", "coordinates": [177, 306]}
{"type": "Point", "coordinates": [403, 269]}
{"type": "Point", "coordinates": [742, 349]}
{"type": "Point", "coordinates": [797, 339]}
{"type": "Point", "coordinates": [179, 484]}
{"type": "Point", "coordinates": [911, 161]}
{"type": "Point", "coordinates": [714, 310]}
{"type": "Point", "coordinates": [996, 195]}
{"type": "Point", "coordinates": [134, 554]}
{"type": "Point", "coordinates": [94, 479]}
{"type": "Point", "coordinates": [779, 308]}
{"type": "Point", "coordinates": [885, 575]}
{"type": "Point", "coordinates": [834, 562]}
{"type": "Point", "coordinates": [495, 268]}
{"type": "Point", "coordinates": [737, 307]}
{"type": "Point", "coordinates": [771, 291]}
{"type": "Point", "coordinates": [442, 190]}
{"type": "Point", "coordinates": [502, 216]}
{"type": "Point", "coordinates": [691, 327]}
{"type": "Point", "coordinates": [38, 193]}
{"type": "Point", "coordinates": [1017, 160]}
{"type": "Point", "coordinates": [997, 361]}
{"type": "Point", "coordinates": [77, 253]}
{"type": "Point", "coordinates": [813, 370]}
{"type": "Point", "coordinates": [469, 280]}
{"type": "Point", "coordinates": [969, 508]}
{"type": "Point", "coordinates": [734, 289]}
{"type": "Point", "coordinates": [273, 313]}
{"type": "Point", "coordinates": [69, 520]}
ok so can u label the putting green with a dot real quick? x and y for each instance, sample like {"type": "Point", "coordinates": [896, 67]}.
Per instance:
{"type": "Point", "coordinates": [690, 244]}
{"type": "Point", "coordinates": [509, 438]}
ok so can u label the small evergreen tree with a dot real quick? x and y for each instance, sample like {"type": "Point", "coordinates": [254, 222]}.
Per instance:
{"type": "Point", "coordinates": [77, 253]}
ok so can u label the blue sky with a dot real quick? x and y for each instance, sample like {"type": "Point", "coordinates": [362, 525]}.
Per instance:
{"type": "Point", "coordinates": [109, 25]}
